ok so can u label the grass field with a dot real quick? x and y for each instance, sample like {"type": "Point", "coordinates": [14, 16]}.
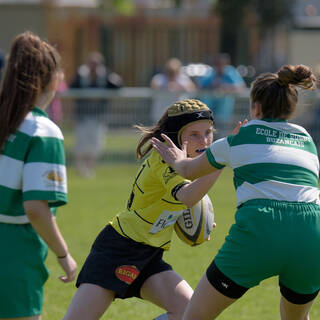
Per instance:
{"type": "Point", "coordinates": [93, 202]}
{"type": "Point", "coordinates": [118, 145]}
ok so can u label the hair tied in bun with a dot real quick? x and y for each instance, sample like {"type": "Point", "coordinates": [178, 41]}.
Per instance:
{"type": "Point", "coordinates": [282, 83]}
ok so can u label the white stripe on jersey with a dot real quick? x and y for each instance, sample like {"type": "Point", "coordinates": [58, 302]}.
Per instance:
{"type": "Point", "coordinates": [40, 126]}
{"type": "Point", "coordinates": [281, 125]}
{"type": "Point", "coordinates": [14, 219]}
{"type": "Point", "coordinates": [276, 191]}
{"type": "Point", "coordinates": [220, 149]}
{"type": "Point", "coordinates": [39, 176]}
{"type": "Point", "coordinates": [10, 176]}
{"type": "Point", "coordinates": [246, 154]}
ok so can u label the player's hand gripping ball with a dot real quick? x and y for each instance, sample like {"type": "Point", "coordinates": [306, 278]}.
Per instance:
{"type": "Point", "coordinates": [195, 224]}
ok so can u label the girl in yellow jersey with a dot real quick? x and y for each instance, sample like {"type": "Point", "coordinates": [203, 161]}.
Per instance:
{"type": "Point", "coordinates": [126, 258]}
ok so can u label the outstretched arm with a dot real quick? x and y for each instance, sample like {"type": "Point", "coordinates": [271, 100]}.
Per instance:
{"type": "Point", "coordinates": [190, 168]}
{"type": "Point", "coordinates": [194, 191]}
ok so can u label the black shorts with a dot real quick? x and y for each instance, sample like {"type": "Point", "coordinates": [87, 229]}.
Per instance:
{"type": "Point", "coordinates": [120, 264]}
{"type": "Point", "coordinates": [229, 288]}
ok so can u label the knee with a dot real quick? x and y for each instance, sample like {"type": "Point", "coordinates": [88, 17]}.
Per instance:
{"type": "Point", "coordinates": [177, 313]}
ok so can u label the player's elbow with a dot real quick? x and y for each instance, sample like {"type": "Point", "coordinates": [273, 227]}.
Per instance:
{"type": "Point", "coordinates": [35, 209]}
{"type": "Point", "coordinates": [190, 202]}
{"type": "Point", "coordinates": [186, 197]}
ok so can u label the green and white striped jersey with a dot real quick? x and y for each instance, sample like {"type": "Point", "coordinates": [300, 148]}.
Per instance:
{"type": "Point", "coordinates": [271, 159]}
{"type": "Point", "coordinates": [32, 167]}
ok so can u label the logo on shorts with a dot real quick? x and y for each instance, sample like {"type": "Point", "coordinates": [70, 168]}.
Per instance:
{"type": "Point", "coordinates": [127, 273]}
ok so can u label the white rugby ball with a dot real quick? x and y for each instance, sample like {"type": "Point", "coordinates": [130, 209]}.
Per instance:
{"type": "Point", "coordinates": [195, 224]}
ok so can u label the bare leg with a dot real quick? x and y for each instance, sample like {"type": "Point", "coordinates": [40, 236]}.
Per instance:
{"type": "Point", "coordinates": [290, 311]}
{"type": "Point", "coordinates": [212, 302]}
{"type": "Point", "coordinates": [89, 303]}
{"type": "Point", "coordinates": [169, 291]}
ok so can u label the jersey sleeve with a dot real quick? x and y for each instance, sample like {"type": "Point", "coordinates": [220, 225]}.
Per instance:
{"type": "Point", "coordinates": [44, 172]}
{"type": "Point", "coordinates": [218, 153]}
{"type": "Point", "coordinates": [170, 179]}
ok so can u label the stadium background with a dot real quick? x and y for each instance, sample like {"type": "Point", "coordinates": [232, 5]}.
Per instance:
{"type": "Point", "coordinates": [136, 38]}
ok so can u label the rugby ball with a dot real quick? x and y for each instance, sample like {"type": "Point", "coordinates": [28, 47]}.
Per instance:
{"type": "Point", "coordinates": [195, 224]}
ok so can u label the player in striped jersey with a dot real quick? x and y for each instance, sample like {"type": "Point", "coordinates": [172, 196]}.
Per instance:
{"type": "Point", "coordinates": [32, 178]}
{"type": "Point", "coordinates": [126, 258]}
{"type": "Point", "coordinates": [277, 227]}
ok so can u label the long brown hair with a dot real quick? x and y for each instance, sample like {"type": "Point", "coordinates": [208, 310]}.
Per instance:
{"type": "Point", "coordinates": [29, 69]}
{"type": "Point", "coordinates": [277, 93]}
{"type": "Point", "coordinates": [149, 132]}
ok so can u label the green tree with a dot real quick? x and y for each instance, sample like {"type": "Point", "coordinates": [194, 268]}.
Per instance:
{"type": "Point", "coordinates": [231, 13]}
{"type": "Point", "coordinates": [270, 14]}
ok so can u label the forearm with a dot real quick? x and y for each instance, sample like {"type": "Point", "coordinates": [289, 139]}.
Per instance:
{"type": "Point", "coordinates": [194, 168]}
{"type": "Point", "coordinates": [45, 225]}
{"type": "Point", "coordinates": [193, 192]}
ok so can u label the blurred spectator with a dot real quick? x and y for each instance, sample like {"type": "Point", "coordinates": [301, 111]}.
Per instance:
{"type": "Point", "coordinates": [55, 108]}
{"type": "Point", "coordinates": [225, 81]}
{"type": "Point", "coordinates": [91, 113]}
{"type": "Point", "coordinates": [172, 85]}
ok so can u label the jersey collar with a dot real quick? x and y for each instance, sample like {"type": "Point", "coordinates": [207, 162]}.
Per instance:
{"type": "Point", "coordinates": [39, 112]}
{"type": "Point", "coordinates": [273, 120]}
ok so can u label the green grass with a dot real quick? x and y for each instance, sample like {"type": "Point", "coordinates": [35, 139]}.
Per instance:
{"type": "Point", "coordinates": [118, 144]}
{"type": "Point", "coordinates": [92, 203]}
{"type": "Point", "coordinates": [115, 140]}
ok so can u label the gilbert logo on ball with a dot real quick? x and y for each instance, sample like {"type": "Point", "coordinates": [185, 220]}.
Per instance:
{"type": "Point", "coordinates": [195, 224]}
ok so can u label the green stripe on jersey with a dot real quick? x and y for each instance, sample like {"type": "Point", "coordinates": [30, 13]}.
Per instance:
{"type": "Point", "coordinates": [260, 134]}
{"type": "Point", "coordinates": [49, 150]}
{"type": "Point", "coordinates": [36, 111]}
{"type": "Point", "coordinates": [54, 199]}
{"type": "Point", "coordinates": [274, 171]}
{"type": "Point", "coordinates": [11, 201]}
{"type": "Point", "coordinates": [17, 145]}
{"type": "Point", "coordinates": [212, 160]}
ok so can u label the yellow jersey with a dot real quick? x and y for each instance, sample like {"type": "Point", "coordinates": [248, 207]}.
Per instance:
{"type": "Point", "coordinates": [152, 207]}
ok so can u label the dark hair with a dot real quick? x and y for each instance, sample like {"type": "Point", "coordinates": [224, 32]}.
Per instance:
{"type": "Point", "coordinates": [276, 92]}
{"type": "Point", "coordinates": [29, 69]}
{"type": "Point", "coordinates": [149, 132]}
{"type": "Point", "coordinates": [172, 122]}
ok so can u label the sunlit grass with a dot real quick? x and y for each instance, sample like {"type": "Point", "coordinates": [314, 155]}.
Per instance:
{"type": "Point", "coordinates": [93, 202]}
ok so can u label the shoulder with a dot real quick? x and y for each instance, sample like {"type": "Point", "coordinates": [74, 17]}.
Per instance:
{"type": "Point", "coordinates": [155, 160]}
{"type": "Point", "coordinates": [298, 128]}
{"type": "Point", "coordinates": [35, 125]}
{"type": "Point", "coordinates": [163, 171]}
{"type": "Point", "coordinates": [207, 78]}
{"type": "Point", "coordinates": [159, 166]}
{"type": "Point", "coordinates": [159, 80]}
{"type": "Point", "coordinates": [184, 79]}
{"type": "Point", "coordinates": [246, 133]}
{"type": "Point", "coordinates": [232, 72]}
{"type": "Point", "coordinates": [230, 68]}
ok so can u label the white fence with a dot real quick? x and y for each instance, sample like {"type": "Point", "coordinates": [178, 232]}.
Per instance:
{"type": "Point", "coordinates": [120, 109]}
